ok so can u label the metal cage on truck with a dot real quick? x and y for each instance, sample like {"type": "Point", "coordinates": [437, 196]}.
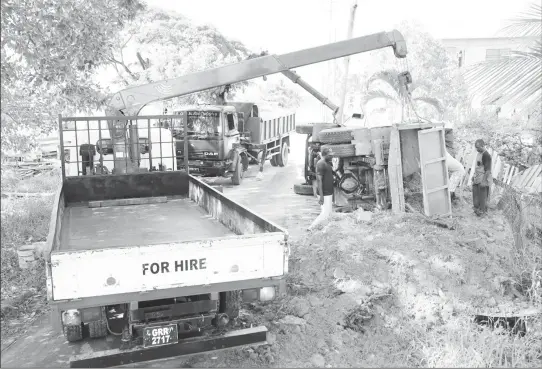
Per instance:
{"type": "Point", "coordinates": [153, 259]}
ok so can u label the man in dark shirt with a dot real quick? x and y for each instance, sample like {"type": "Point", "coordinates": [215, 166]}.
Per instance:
{"type": "Point", "coordinates": [324, 176]}
{"type": "Point", "coordinates": [482, 179]}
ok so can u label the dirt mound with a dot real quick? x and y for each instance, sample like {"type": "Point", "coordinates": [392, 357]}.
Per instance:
{"type": "Point", "coordinates": [385, 289]}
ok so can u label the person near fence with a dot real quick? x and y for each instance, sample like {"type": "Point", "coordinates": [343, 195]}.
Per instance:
{"type": "Point", "coordinates": [482, 179]}
{"type": "Point", "coordinates": [324, 175]}
{"type": "Point", "coordinates": [457, 171]}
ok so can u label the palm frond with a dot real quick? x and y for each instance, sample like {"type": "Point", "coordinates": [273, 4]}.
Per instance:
{"type": "Point", "coordinates": [431, 101]}
{"type": "Point", "coordinates": [387, 76]}
{"type": "Point", "coordinates": [513, 80]}
{"type": "Point", "coordinates": [378, 94]}
{"type": "Point", "coordinates": [525, 24]}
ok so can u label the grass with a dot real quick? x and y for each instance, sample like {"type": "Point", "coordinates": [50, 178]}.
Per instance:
{"type": "Point", "coordinates": [463, 344]}
{"type": "Point", "coordinates": [24, 221]}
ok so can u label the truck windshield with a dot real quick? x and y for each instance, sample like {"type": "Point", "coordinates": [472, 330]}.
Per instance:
{"type": "Point", "coordinates": [201, 124]}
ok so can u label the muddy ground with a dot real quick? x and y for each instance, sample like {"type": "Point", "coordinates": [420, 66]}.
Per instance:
{"type": "Point", "coordinates": [364, 291]}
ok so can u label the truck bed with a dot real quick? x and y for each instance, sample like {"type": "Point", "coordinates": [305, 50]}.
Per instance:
{"type": "Point", "coordinates": [163, 234]}
{"type": "Point", "coordinates": [177, 220]}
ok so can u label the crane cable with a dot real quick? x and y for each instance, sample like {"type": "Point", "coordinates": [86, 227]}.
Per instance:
{"type": "Point", "coordinates": [407, 102]}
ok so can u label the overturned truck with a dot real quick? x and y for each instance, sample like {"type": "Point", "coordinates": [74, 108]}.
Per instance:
{"type": "Point", "coordinates": [373, 163]}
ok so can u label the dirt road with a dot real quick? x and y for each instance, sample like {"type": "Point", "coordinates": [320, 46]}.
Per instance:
{"type": "Point", "coordinates": [271, 197]}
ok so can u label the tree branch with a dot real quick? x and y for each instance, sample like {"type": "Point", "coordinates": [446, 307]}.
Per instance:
{"type": "Point", "coordinates": [121, 63]}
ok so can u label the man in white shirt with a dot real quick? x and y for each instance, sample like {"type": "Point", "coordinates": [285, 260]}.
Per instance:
{"type": "Point", "coordinates": [456, 171]}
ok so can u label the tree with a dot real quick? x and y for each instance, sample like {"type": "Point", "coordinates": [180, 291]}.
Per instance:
{"type": "Point", "coordinates": [387, 85]}
{"type": "Point", "coordinates": [438, 87]}
{"type": "Point", "coordinates": [517, 79]}
{"type": "Point", "coordinates": [50, 49]}
{"type": "Point", "coordinates": [274, 92]}
{"type": "Point", "coordinates": [158, 45]}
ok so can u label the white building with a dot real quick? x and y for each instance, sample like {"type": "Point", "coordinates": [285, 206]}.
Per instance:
{"type": "Point", "coordinates": [470, 51]}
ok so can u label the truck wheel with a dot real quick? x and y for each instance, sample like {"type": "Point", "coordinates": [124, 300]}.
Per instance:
{"type": "Point", "coordinates": [342, 151]}
{"type": "Point", "coordinates": [308, 128]}
{"type": "Point", "coordinates": [97, 329]}
{"type": "Point", "coordinates": [304, 128]}
{"type": "Point", "coordinates": [273, 160]}
{"type": "Point", "coordinates": [282, 158]}
{"type": "Point", "coordinates": [303, 189]}
{"type": "Point", "coordinates": [73, 333]}
{"type": "Point", "coordinates": [245, 160]}
{"type": "Point", "coordinates": [230, 304]}
{"type": "Point", "coordinates": [238, 174]}
{"type": "Point", "coordinates": [336, 135]}
{"type": "Point", "coordinates": [319, 128]}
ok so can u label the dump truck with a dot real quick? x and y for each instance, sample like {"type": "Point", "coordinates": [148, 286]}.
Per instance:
{"type": "Point", "coordinates": [219, 135]}
{"type": "Point", "coordinates": [144, 260]}
{"type": "Point", "coordinates": [371, 163]}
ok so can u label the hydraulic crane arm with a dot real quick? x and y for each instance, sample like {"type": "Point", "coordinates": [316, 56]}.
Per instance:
{"type": "Point", "coordinates": [131, 100]}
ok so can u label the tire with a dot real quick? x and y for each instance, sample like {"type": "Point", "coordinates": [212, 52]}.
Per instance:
{"type": "Point", "coordinates": [230, 304]}
{"type": "Point", "coordinates": [321, 127]}
{"type": "Point", "coordinates": [238, 174]}
{"type": "Point", "coordinates": [304, 128]}
{"type": "Point", "coordinates": [273, 160]}
{"type": "Point", "coordinates": [307, 128]}
{"type": "Point", "coordinates": [73, 333]}
{"type": "Point", "coordinates": [303, 189]}
{"type": "Point", "coordinates": [97, 329]}
{"type": "Point", "coordinates": [336, 135]}
{"type": "Point", "coordinates": [282, 159]}
{"type": "Point", "coordinates": [343, 150]}
{"type": "Point", "coordinates": [245, 160]}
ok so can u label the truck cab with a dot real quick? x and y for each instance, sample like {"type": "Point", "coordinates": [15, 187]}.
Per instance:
{"type": "Point", "coordinates": [213, 131]}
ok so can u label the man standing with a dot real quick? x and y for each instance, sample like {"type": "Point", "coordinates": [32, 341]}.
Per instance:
{"type": "Point", "coordinates": [456, 173]}
{"type": "Point", "coordinates": [482, 179]}
{"type": "Point", "coordinates": [324, 177]}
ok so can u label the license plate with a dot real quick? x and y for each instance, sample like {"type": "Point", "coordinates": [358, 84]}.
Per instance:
{"type": "Point", "coordinates": [160, 336]}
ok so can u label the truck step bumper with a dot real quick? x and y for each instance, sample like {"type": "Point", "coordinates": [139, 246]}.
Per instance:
{"type": "Point", "coordinates": [117, 357]}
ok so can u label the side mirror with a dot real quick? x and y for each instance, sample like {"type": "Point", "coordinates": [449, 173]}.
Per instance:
{"type": "Point", "coordinates": [231, 122]}
{"type": "Point", "coordinates": [143, 146]}
{"type": "Point", "coordinates": [241, 121]}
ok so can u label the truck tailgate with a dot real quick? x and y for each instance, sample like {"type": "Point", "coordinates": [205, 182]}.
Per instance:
{"type": "Point", "coordinates": [88, 273]}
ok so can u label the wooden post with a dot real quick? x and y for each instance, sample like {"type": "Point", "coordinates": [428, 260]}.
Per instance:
{"type": "Point", "coordinates": [395, 173]}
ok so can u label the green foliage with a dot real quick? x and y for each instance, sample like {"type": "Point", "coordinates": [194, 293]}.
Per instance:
{"type": "Point", "coordinates": [397, 92]}
{"type": "Point", "coordinates": [49, 51]}
{"type": "Point", "coordinates": [274, 93]}
{"type": "Point", "coordinates": [158, 45]}
{"type": "Point", "coordinates": [516, 80]}
{"type": "Point", "coordinates": [437, 86]}
{"type": "Point", "coordinates": [515, 141]}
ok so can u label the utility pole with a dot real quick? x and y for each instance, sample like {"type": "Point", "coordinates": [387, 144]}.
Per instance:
{"type": "Point", "coordinates": [340, 113]}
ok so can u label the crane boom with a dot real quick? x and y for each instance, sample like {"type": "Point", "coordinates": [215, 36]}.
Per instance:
{"type": "Point", "coordinates": [131, 100]}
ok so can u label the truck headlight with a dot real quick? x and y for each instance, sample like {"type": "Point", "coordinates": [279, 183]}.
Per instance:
{"type": "Point", "coordinates": [263, 294]}
{"type": "Point", "coordinates": [267, 293]}
{"type": "Point", "coordinates": [71, 317]}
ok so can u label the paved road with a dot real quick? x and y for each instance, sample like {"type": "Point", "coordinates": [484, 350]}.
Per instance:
{"type": "Point", "coordinates": [272, 197]}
